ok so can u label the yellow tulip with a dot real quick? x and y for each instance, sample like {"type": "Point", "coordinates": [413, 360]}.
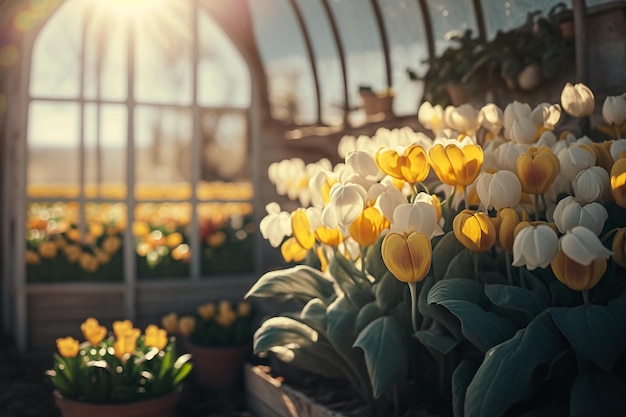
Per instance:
{"type": "Point", "coordinates": [509, 219]}
{"type": "Point", "coordinates": [92, 331]}
{"type": "Point", "coordinates": [111, 244]}
{"type": "Point", "coordinates": [126, 343]}
{"type": "Point", "coordinates": [366, 229]}
{"type": "Point", "coordinates": [577, 277]}
{"type": "Point", "coordinates": [603, 156]}
{"type": "Point", "coordinates": [88, 262]}
{"type": "Point", "coordinates": [186, 325]}
{"type": "Point", "coordinates": [292, 251]}
{"type": "Point", "coordinates": [68, 347]}
{"type": "Point", "coordinates": [619, 247]}
{"type": "Point", "coordinates": [226, 318]}
{"type": "Point", "coordinates": [207, 311]}
{"type": "Point", "coordinates": [456, 165]}
{"type": "Point", "coordinates": [170, 323]}
{"type": "Point", "coordinates": [412, 166]}
{"type": "Point", "coordinates": [155, 337]}
{"type": "Point", "coordinates": [120, 327]}
{"type": "Point", "coordinates": [618, 182]}
{"type": "Point", "coordinates": [407, 257]}
{"type": "Point", "coordinates": [537, 169]}
{"type": "Point", "coordinates": [326, 235]}
{"type": "Point", "coordinates": [244, 309]}
{"type": "Point", "coordinates": [47, 249]}
{"type": "Point", "coordinates": [302, 228]}
{"type": "Point", "coordinates": [173, 239]}
{"type": "Point", "coordinates": [474, 230]}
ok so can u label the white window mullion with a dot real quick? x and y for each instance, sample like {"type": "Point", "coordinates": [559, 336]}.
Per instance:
{"type": "Point", "coordinates": [194, 238]}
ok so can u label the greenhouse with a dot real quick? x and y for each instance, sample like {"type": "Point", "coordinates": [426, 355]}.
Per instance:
{"type": "Point", "coordinates": [447, 176]}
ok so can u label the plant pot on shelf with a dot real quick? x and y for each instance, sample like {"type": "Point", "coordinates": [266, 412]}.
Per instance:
{"type": "Point", "coordinates": [164, 406]}
{"type": "Point", "coordinates": [218, 369]}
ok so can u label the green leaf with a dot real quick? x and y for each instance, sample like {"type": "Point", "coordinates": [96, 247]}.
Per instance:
{"type": "Point", "coordinates": [436, 312]}
{"type": "Point", "coordinates": [341, 325]}
{"type": "Point", "coordinates": [506, 374]}
{"type": "Point", "coordinates": [595, 332]}
{"type": "Point", "coordinates": [314, 314]}
{"type": "Point", "coordinates": [300, 282]}
{"type": "Point", "coordinates": [461, 266]}
{"type": "Point", "coordinates": [447, 248]}
{"type": "Point", "coordinates": [385, 345]}
{"type": "Point", "coordinates": [597, 393]}
{"type": "Point", "coordinates": [369, 313]}
{"type": "Point", "coordinates": [389, 292]}
{"type": "Point", "coordinates": [461, 378]}
{"type": "Point", "coordinates": [458, 289]}
{"type": "Point", "coordinates": [350, 280]}
{"type": "Point", "coordinates": [182, 373]}
{"type": "Point", "coordinates": [281, 331]}
{"type": "Point", "coordinates": [436, 339]}
{"type": "Point", "coordinates": [551, 410]}
{"type": "Point", "coordinates": [374, 263]}
{"type": "Point", "coordinates": [516, 298]}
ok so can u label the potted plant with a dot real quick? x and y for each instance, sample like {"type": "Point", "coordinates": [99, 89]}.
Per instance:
{"type": "Point", "coordinates": [378, 102]}
{"type": "Point", "coordinates": [492, 272]}
{"type": "Point", "coordinates": [218, 336]}
{"type": "Point", "coordinates": [126, 373]}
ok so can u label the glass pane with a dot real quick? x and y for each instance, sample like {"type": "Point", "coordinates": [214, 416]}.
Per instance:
{"type": "Point", "coordinates": [163, 152]}
{"type": "Point", "coordinates": [225, 153]}
{"type": "Point", "coordinates": [280, 42]}
{"type": "Point", "coordinates": [59, 248]}
{"type": "Point", "coordinates": [105, 151]}
{"type": "Point", "coordinates": [451, 17]}
{"type": "Point", "coordinates": [161, 242]}
{"type": "Point", "coordinates": [53, 153]}
{"type": "Point", "coordinates": [409, 51]}
{"type": "Point", "coordinates": [106, 63]}
{"type": "Point", "coordinates": [163, 63]}
{"type": "Point", "coordinates": [511, 14]}
{"type": "Point", "coordinates": [223, 77]}
{"type": "Point", "coordinates": [361, 41]}
{"type": "Point", "coordinates": [227, 233]}
{"type": "Point", "coordinates": [56, 62]}
{"type": "Point", "coordinates": [326, 60]}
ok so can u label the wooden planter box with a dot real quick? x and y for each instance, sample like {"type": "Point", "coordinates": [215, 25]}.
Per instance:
{"type": "Point", "coordinates": [267, 396]}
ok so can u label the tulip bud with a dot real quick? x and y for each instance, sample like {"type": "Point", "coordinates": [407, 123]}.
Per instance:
{"type": "Point", "coordinates": [614, 110]}
{"type": "Point", "coordinates": [577, 100]}
{"type": "Point", "coordinates": [368, 226]}
{"type": "Point", "coordinates": [603, 157]}
{"type": "Point", "coordinates": [492, 118]}
{"type": "Point", "coordinates": [514, 111]}
{"type": "Point", "coordinates": [431, 117]}
{"type": "Point", "coordinates": [619, 247]}
{"type": "Point", "coordinates": [591, 184]}
{"type": "Point", "coordinates": [509, 219]}
{"type": "Point", "coordinates": [583, 245]}
{"type": "Point", "coordinates": [507, 155]}
{"type": "Point", "coordinates": [535, 245]}
{"type": "Point", "coordinates": [498, 190]}
{"type": "Point", "coordinates": [155, 337]}
{"type": "Point", "coordinates": [576, 276]}
{"type": "Point", "coordinates": [407, 257]}
{"type": "Point", "coordinates": [537, 169]}
{"type": "Point", "coordinates": [456, 165]}
{"type": "Point", "coordinates": [569, 212]}
{"type": "Point", "coordinates": [574, 159]}
{"type": "Point", "coordinates": [92, 331]}
{"type": "Point", "coordinates": [474, 230]}
{"type": "Point", "coordinates": [523, 131]}
{"type": "Point", "coordinates": [463, 119]}
{"type": "Point", "coordinates": [617, 147]}
{"type": "Point", "coordinates": [547, 115]}
{"type": "Point", "coordinates": [68, 347]}
{"type": "Point", "coordinates": [618, 182]}
{"type": "Point", "coordinates": [419, 216]}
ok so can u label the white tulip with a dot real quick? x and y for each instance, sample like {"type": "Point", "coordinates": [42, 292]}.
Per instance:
{"type": "Point", "coordinates": [388, 200]}
{"type": "Point", "coordinates": [547, 138]}
{"type": "Point", "coordinates": [535, 246]}
{"type": "Point", "coordinates": [498, 190]}
{"type": "Point", "coordinates": [617, 147]}
{"type": "Point", "coordinates": [416, 217]}
{"type": "Point", "coordinates": [546, 114]}
{"type": "Point", "coordinates": [577, 100]}
{"type": "Point", "coordinates": [463, 119]}
{"type": "Point", "coordinates": [574, 159]}
{"type": "Point", "coordinates": [431, 117]}
{"type": "Point", "coordinates": [591, 184]}
{"type": "Point", "coordinates": [364, 164]}
{"type": "Point", "coordinates": [582, 245]}
{"type": "Point", "coordinates": [347, 201]}
{"type": "Point", "coordinates": [492, 118]}
{"type": "Point", "coordinates": [276, 225]}
{"type": "Point", "coordinates": [514, 111]}
{"type": "Point", "coordinates": [523, 130]}
{"type": "Point", "coordinates": [570, 213]}
{"type": "Point", "coordinates": [508, 153]}
{"type": "Point", "coordinates": [614, 110]}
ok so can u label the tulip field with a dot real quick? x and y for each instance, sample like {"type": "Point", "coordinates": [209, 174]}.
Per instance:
{"type": "Point", "coordinates": [65, 243]}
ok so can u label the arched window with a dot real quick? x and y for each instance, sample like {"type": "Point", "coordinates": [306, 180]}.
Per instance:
{"type": "Point", "coordinates": [138, 155]}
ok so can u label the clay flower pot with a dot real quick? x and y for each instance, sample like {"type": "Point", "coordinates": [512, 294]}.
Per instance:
{"type": "Point", "coordinates": [164, 406]}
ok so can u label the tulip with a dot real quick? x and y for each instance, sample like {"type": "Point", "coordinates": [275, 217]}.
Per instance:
{"type": "Point", "coordinates": [537, 169]}
{"type": "Point", "coordinates": [576, 276]}
{"type": "Point", "coordinates": [186, 325]}
{"type": "Point", "coordinates": [407, 257]}
{"type": "Point", "coordinates": [276, 225]}
{"type": "Point", "coordinates": [463, 119]}
{"type": "Point", "coordinates": [155, 337]}
{"type": "Point", "coordinates": [591, 184]}
{"type": "Point", "coordinates": [388, 200]}
{"type": "Point", "coordinates": [574, 159]}
{"type": "Point", "coordinates": [456, 165]}
{"type": "Point", "coordinates": [535, 245]}
{"type": "Point", "coordinates": [121, 327]}
{"type": "Point", "coordinates": [569, 212]}
{"type": "Point", "coordinates": [207, 311]}
{"type": "Point", "coordinates": [614, 110]}
{"type": "Point", "coordinates": [547, 138]}
{"type": "Point", "coordinates": [474, 230]}
{"type": "Point", "coordinates": [47, 249]}
{"type": "Point", "coordinates": [368, 226]}
{"type": "Point", "coordinates": [301, 228]}
{"type": "Point", "coordinates": [498, 190]}
{"type": "Point", "coordinates": [492, 118]}
{"type": "Point", "coordinates": [603, 156]}
{"type": "Point", "coordinates": [92, 331]}
{"type": "Point", "coordinates": [68, 347]}
{"type": "Point", "coordinates": [411, 166]}
{"type": "Point", "coordinates": [170, 323]}
{"type": "Point", "coordinates": [546, 114]}
{"type": "Point", "coordinates": [431, 117]}
{"type": "Point", "coordinates": [577, 100]}
{"type": "Point", "coordinates": [292, 251]}
{"type": "Point", "coordinates": [508, 221]}
{"type": "Point", "coordinates": [583, 245]}
{"type": "Point", "coordinates": [619, 247]}
{"type": "Point", "coordinates": [618, 182]}
{"type": "Point", "coordinates": [617, 147]}
{"type": "Point", "coordinates": [347, 201]}
{"type": "Point", "coordinates": [126, 343]}
{"type": "Point", "coordinates": [507, 155]}
{"type": "Point", "coordinates": [514, 111]}
{"type": "Point", "coordinates": [364, 164]}
{"type": "Point", "coordinates": [523, 131]}
{"type": "Point", "coordinates": [328, 236]}
{"type": "Point", "coordinates": [419, 216]}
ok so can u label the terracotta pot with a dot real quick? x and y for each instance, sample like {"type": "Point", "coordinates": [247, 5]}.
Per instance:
{"type": "Point", "coordinates": [217, 368]}
{"type": "Point", "coordinates": [458, 95]}
{"type": "Point", "coordinates": [370, 104]}
{"type": "Point", "coordinates": [164, 406]}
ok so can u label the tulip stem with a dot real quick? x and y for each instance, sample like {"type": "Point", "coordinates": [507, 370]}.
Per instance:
{"type": "Point", "coordinates": [467, 207]}
{"type": "Point", "coordinates": [617, 132]}
{"type": "Point", "coordinates": [585, 297]}
{"type": "Point", "coordinates": [536, 201]}
{"type": "Point", "coordinates": [509, 271]}
{"type": "Point", "coordinates": [413, 290]}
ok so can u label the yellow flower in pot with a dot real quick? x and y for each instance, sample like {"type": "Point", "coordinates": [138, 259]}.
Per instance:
{"type": "Point", "coordinates": [127, 373]}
